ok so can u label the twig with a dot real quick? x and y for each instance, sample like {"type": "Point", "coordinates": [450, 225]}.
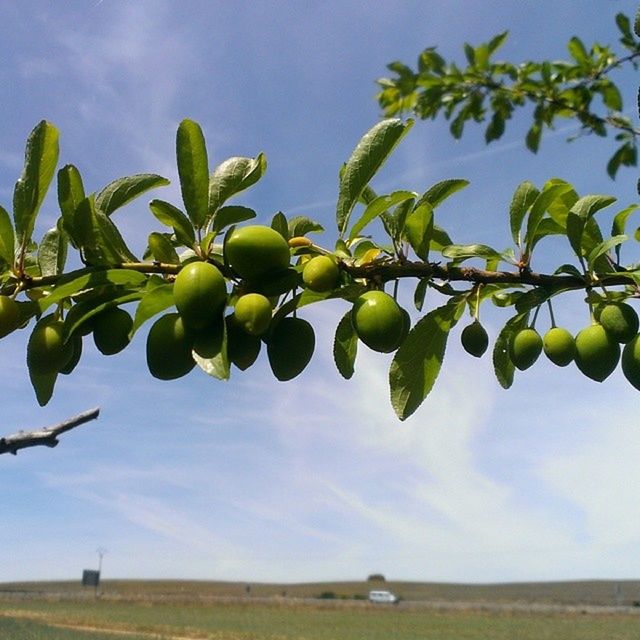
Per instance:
{"type": "Point", "coordinates": [47, 437]}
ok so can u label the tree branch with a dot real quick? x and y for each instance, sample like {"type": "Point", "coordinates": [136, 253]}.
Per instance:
{"type": "Point", "coordinates": [47, 437]}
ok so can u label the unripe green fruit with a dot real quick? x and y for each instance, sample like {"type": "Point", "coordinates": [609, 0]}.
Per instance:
{"type": "Point", "coordinates": [321, 274]}
{"type": "Point", "coordinates": [559, 346]}
{"type": "Point", "coordinates": [620, 321]}
{"type": "Point", "coordinates": [474, 339]}
{"type": "Point", "coordinates": [200, 294]}
{"type": "Point", "coordinates": [111, 331]}
{"type": "Point", "coordinates": [525, 348]}
{"type": "Point", "coordinates": [242, 348]}
{"type": "Point", "coordinates": [46, 351]}
{"type": "Point", "coordinates": [9, 315]}
{"type": "Point", "coordinates": [631, 362]}
{"type": "Point", "coordinates": [378, 321]}
{"type": "Point", "coordinates": [290, 347]}
{"type": "Point", "coordinates": [253, 313]}
{"type": "Point", "coordinates": [76, 352]}
{"type": "Point", "coordinates": [169, 348]}
{"type": "Point", "coordinates": [256, 251]}
{"type": "Point", "coordinates": [597, 353]}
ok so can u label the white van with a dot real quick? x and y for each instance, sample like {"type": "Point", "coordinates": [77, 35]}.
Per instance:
{"type": "Point", "coordinates": [382, 596]}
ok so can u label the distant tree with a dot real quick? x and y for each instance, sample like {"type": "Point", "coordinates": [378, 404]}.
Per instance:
{"type": "Point", "coordinates": [237, 287]}
{"type": "Point", "coordinates": [376, 577]}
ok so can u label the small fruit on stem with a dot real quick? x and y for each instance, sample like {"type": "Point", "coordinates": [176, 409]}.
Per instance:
{"type": "Point", "coordinates": [559, 346]}
{"type": "Point", "coordinates": [320, 274]}
{"type": "Point", "coordinates": [525, 348]}
{"type": "Point", "coordinates": [597, 353]}
{"type": "Point", "coordinates": [474, 339]}
{"type": "Point", "coordinates": [378, 321]}
{"type": "Point", "coordinates": [253, 313]}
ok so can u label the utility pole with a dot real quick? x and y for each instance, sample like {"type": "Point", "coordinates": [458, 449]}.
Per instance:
{"type": "Point", "coordinates": [101, 551]}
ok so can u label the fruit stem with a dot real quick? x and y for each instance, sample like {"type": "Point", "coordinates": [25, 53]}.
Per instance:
{"type": "Point", "coordinates": [395, 289]}
{"type": "Point", "coordinates": [535, 317]}
{"type": "Point", "coordinates": [553, 320]}
{"type": "Point", "coordinates": [476, 311]}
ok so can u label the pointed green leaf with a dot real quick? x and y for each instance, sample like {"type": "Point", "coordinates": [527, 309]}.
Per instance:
{"type": "Point", "coordinates": [420, 293]}
{"type": "Point", "coordinates": [300, 226]}
{"type": "Point", "coordinates": [636, 23]}
{"type": "Point", "coordinates": [193, 169]}
{"type": "Point", "coordinates": [502, 365]}
{"type": "Point", "coordinates": [279, 223]}
{"type": "Point", "coordinates": [523, 197]}
{"type": "Point", "coordinates": [233, 176]}
{"type": "Point", "coordinates": [418, 229]}
{"type": "Point", "coordinates": [41, 158]}
{"type": "Point", "coordinates": [52, 252]}
{"type": "Point", "coordinates": [577, 50]}
{"type": "Point", "coordinates": [226, 216]}
{"type": "Point", "coordinates": [368, 156]}
{"type": "Point", "coordinates": [440, 191]}
{"type": "Point", "coordinates": [345, 346]}
{"type": "Point", "coordinates": [620, 221]}
{"type": "Point", "coordinates": [417, 362]}
{"type": "Point", "coordinates": [97, 236]}
{"type": "Point", "coordinates": [497, 41]}
{"type": "Point", "coordinates": [156, 298]}
{"type": "Point", "coordinates": [91, 280]}
{"type": "Point", "coordinates": [532, 139]}
{"type": "Point", "coordinates": [216, 364]}
{"type": "Point", "coordinates": [70, 195]}
{"type": "Point", "coordinates": [464, 251]}
{"type": "Point", "coordinates": [161, 249]}
{"type": "Point", "coordinates": [604, 247]}
{"type": "Point", "coordinates": [121, 191]}
{"type": "Point", "coordinates": [172, 217]}
{"type": "Point", "coordinates": [542, 203]}
{"type": "Point", "coordinates": [378, 207]}
{"type": "Point", "coordinates": [7, 238]}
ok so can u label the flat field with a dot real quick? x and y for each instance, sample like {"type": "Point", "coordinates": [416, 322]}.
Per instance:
{"type": "Point", "coordinates": [36, 618]}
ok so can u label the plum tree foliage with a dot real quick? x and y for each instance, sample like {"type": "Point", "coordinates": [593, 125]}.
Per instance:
{"type": "Point", "coordinates": [207, 258]}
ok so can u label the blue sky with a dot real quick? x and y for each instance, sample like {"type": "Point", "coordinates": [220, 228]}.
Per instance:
{"type": "Point", "coordinates": [313, 479]}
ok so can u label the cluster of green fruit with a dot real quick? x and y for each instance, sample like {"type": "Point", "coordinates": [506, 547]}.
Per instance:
{"type": "Point", "coordinates": [595, 349]}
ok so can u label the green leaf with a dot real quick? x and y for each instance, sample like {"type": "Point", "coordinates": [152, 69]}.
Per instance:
{"type": "Point", "coordinates": [420, 293]}
{"type": "Point", "coordinates": [636, 23]}
{"type": "Point", "coordinates": [161, 249]}
{"type": "Point", "coordinates": [417, 362]}
{"type": "Point", "coordinates": [495, 129]}
{"type": "Point", "coordinates": [440, 191]}
{"type": "Point", "coordinates": [578, 218]}
{"type": "Point", "coordinates": [523, 197]}
{"type": "Point", "coordinates": [604, 247]}
{"type": "Point", "coordinates": [612, 97]}
{"type": "Point", "coordinates": [91, 280]}
{"type": "Point", "coordinates": [532, 139]}
{"type": "Point", "coordinates": [156, 298]}
{"type": "Point", "coordinates": [368, 156]}
{"type": "Point", "coordinates": [345, 346]}
{"type": "Point", "coordinates": [70, 195]}
{"type": "Point", "coordinates": [95, 304]}
{"type": "Point", "coordinates": [578, 51]}
{"type": "Point", "coordinates": [226, 216]}
{"type": "Point", "coordinates": [117, 193]}
{"type": "Point", "coordinates": [543, 201]}
{"type": "Point", "coordinates": [7, 238]}
{"type": "Point", "coordinates": [503, 367]}
{"type": "Point", "coordinates": [378, 207]}
{"type": "Point", "coordinates": [217, 365]}
{"type": "Point", "coordinates": [52, 252]}
{"type": "Point", "coordinates": [300, 226]}
{"type": "Point", "coordinates": [41, 158]}
{"type": "Point", "coordinates": [233, 176]}
{"type": "Point", "coordinates": [97, 236]}
{"type": "Point", "coordinates": [279, 223]}
{"type": "Point", "coordinates": [464, 251]}
{"type": "Point", "coordinates": [418, 229]}
{"type": "Point", "coordinates": [620, 221]}
{"type": "Point", "coordinates": [172, 217]}
{"type": "Point", "coordinates": [497, 41]}
{"type": "Point", "coordinates": [193, 169]}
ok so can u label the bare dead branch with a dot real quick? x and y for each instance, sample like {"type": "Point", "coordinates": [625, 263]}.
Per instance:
{"type": "Point", "coordinates": [48, 436]}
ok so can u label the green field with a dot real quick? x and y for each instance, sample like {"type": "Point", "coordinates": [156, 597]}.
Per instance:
{"type": "Point", "coordinates": [35, 619]}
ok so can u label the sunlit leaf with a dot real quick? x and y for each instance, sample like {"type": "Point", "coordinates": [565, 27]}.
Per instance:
{"type": "Point", "coordinates": [193, 169]}
{"type": "Point", "coordinates": [368, 156]}
{"type": "Point", "coordinates": [123, 190]}
{"type": "Point", "coordinates": [345, 346]}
